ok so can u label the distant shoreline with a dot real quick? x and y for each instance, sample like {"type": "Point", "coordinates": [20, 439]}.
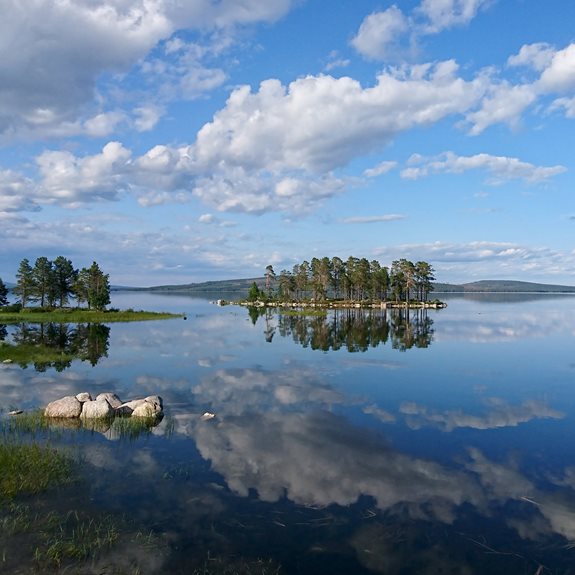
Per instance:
{"type": "Point", "coordinates": [241, 287]}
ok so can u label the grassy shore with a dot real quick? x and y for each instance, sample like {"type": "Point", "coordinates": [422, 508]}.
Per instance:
{"type": "Point", "coordinates": [78, 315]}
{"type": "Point", "coordinates": [46, 523]}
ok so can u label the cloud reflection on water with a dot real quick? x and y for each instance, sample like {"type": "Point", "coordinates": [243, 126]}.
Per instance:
{"type": "Point", "coordinates": [500, 414]}
{"type": "Point", "coordinates": [290, 430]}
{"type": "Point", "coordinates": [276, 434]}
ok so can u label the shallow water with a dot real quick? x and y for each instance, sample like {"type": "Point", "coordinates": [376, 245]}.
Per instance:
{"type": "Point", "coordinates": [350, 443]}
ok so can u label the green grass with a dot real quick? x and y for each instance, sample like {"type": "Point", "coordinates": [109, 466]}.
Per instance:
{"type": "Point", "coordinates": [31, 468]}
{"type": "Point", "coordinates": [30, 422]}
{"type": "Point", "coordinates": [58, 537]}
{"type": "Point", "coordinates": [122, 428]}
{"type": "Point", "coordinates": [15, 519]}
{"type": "Point", "coordinates": [68, 541]}
{"type": "Point", "coordinates": [75, 315]}
{"type": "Point", "coordinates": [28, 468]}
{"type": "Point", "coordinates": [36, 534]}
{"type": "Point", "coordinates": [239, 566]}
{"type": "Point", "coordinates": [73, 537]}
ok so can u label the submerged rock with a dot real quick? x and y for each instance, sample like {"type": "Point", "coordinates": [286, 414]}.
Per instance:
{"type": "Point", "coordinates": [67, 406]}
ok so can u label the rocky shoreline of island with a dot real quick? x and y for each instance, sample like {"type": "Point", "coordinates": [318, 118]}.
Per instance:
{"type": "Point", "coordinates": [383, 305]}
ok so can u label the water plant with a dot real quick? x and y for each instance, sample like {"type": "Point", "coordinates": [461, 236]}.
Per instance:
{"type": "Point", "coordinates": [29, 468]}
{"type": "Point", "coordinates": [239, 566]}
{"type": "Point", "coordinates": [16, 520]}
{"type": "Point", "coordinates": [74, 537]}
{"type": "Point", "coordinates": [29, 422]}
{"type": "Point", "coordinates": [70, 541]}
{"type": "Point", "coordinates": [131, 428]}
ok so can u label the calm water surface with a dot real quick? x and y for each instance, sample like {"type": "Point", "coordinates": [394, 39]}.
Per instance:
{"type": "Point", "coordinates": [349, 443]}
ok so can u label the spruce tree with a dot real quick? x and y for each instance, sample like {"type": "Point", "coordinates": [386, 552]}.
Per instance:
{"type": "Point", "coordinates": [43, 281]}
{"type": "Point", "coordinates": [25, 283]}
{"type": "Point", "coordinates": [64, 276]}
{"type": "Point", "coordinates": [3, 294]}
{"type": "Point", "coordinates": [93, 287]}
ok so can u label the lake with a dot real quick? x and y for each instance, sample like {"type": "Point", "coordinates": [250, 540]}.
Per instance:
{"type": "Point", "coordinates": [348, 442]}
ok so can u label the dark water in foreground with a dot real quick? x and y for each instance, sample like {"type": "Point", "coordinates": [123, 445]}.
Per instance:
{"type": "Point", "coordinates": [356, 443]}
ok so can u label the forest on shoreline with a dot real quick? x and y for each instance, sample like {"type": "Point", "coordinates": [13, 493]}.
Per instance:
{"type": "Point", "coordinates": [52, 284]}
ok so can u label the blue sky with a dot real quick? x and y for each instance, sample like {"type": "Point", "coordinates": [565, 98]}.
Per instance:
{"type": "Point", "coordinates": [183, 141]}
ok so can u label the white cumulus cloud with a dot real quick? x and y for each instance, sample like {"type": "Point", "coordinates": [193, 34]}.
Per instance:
{"type": "Point", "coordinates": [500, 168]}
{"type": "Point", "coordinates": [69, 180]}
{"type": "Point", "coordinates": [537, 56]}
{"type": "Point", "coordinates": [444, 14]}
{"type": "Point", "coordinates": [379, 32]}
{"type": "Point", "coordinates": [559, 75]}
{"type": "Point", "coordinates": [54, 52]}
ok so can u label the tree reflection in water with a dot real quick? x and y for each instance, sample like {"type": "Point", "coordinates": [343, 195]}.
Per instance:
{"type": "Point", "coordinates": [56, 345]}
{"type": "Point", "coordinates": [352, 328]}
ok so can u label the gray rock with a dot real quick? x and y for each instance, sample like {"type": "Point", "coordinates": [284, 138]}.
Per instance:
{"type": "Point", "coordinates": [111, 398]}
{"type": "Point", "coordinates": [96, 409]}
{"type": "Point", "coordinates": [147, 407]}
{"type": "Point", "coordinates": [128, 407]}
{"type": "Point", "coordinates": [104, 406]}
{"type": "Point", "coordinates": [156, 401]}
{"type": "Point", "coordinates": [68, 406]}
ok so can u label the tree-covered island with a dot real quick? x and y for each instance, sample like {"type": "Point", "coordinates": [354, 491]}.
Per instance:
{"type": "Point", "coordinates": [356, 281]}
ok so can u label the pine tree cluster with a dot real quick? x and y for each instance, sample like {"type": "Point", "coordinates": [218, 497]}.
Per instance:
{"type": "Point", "coordinates": [52, 284]}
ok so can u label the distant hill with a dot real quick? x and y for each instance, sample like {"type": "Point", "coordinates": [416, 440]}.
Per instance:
{"type": "Point", "coordinates": [228, 286]}
{"type": "Point", "coordinates": [241, 286]}
{"type": "Point", "coordinates": [502, 286]}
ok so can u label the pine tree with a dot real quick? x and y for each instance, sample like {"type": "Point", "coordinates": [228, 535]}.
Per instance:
{"type": "Point", "coordinates": [25, 283]}
{"type": "Point", "coordinates": [302, 278]}
{"type": "Point", "coordinates": [92, 286]}
{"type": "Point", "coordinates": [43, 281]}
{"type": "Point", "coordinates": [286, 285]}
{"type": "Point", "coordinates": [424, 277]}
{"type": "Point", "coordinates": [64, 276]}
{"type": "Point", "coordinates": [3, 294]}
{"type": "Point", "coordinates": [270, 279]}
{"type": "Point", "coordinates": [254, 293]}
{"type": "Point", "coordinates": [338, 270]}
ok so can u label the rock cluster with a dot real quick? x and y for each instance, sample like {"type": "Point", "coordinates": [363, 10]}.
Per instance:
{"type": "Point", "coordinates": [105, 405]}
